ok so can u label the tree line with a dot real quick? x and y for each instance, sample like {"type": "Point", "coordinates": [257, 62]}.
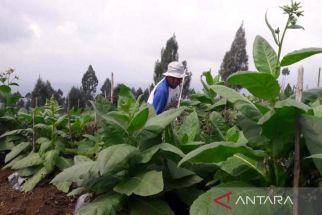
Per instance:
{"type": "Point", "coordinates": [234, 60]}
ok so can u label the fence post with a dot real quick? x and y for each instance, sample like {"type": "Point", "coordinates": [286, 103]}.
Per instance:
{"type": "Point", "coordinates": [112, 86]}
{"type": "Point", "coordinates": [297, 167]}
{"type": "Point", "coordinates": [319, 76]}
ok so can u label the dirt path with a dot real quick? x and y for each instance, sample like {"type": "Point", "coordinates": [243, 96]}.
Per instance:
{"type": "Point", "coordinates": [45, 199]}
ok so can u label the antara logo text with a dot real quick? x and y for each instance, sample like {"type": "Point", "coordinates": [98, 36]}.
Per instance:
{"type": "Point", "coordinates": [224, 200]}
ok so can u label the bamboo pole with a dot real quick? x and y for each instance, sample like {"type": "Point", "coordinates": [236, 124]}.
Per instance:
{"type": "Point", "coordinates": [112, 86]}
{"type": "Point", "coordinates": [296, 179]}
{"type": "Point", "coordinates": [319, 77]}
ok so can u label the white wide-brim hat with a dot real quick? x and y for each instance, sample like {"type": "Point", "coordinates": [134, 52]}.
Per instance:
{"type": "Point", "coordinates": [175, 69]}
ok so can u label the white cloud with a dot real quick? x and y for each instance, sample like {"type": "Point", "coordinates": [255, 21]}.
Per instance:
{"type": "Point", "coordinates": [58, 40]}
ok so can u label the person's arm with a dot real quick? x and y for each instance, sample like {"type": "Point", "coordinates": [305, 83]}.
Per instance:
{"type": "Point", "coordinates": [160, 100]}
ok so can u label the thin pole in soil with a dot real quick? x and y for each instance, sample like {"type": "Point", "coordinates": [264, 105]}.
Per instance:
{"type": "Point", "coordinates": [112, 86]}
{"type": "Point", "coordinates": [296, 179]}
{"type": "Point", "coordinates": [319, 77]}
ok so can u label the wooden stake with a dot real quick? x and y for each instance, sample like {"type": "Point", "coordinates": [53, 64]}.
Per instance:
{"type": "Point", "coordinates": [296, 179]}
{"type": "Point", "coordinates": [112, 86]}
{"type": "Point", "coordinates": [319, 77]}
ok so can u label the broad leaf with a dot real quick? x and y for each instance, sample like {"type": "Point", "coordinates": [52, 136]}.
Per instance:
{"type": "Point", "coordinates": [78, 159]}
{"type": "Point", "coordinates": [261, 85]}
{"type": "Point", "coordinates": [311, 128]}
{"type": "Point", "coordinates": [149, 207]}
{"type": "Point", "coordinates": [189, 129]}
{"type": "Point", "coordinates": [16, 151]}
{"type": "Point", "coordinates": [265, 57]}
{"type": "Point", "coordinates": [311, 95]}
{"type": "Point", "coordinates": [75, 173]}
{"type": "Point", "coordinates": [113, 157]}
{"type": "Point", "coordinates": [146, 155]}
{"type": "Point", "coordinates": [139, 120]}
{"type": "Point", "coordinates": [51, 159]}
{"type": "Point", "coordinates": [156, 125]}
{"type": "Point", "coordinates": [239, 163]}
{"type": "Point", "coordinates": [5, 89]}
{"type": "Point", "coordinates": [240, 102]}
{"type": "Point", "coordinates": [63, 163]}
{"type": "Point", "coordinates": [63, 186]}
{"type": "Point", "coordinates": [107, 204]}
{"type": "Point", "coordinates": [6, 145]}
{"type": "Point", "coordinates": [205, 204]}
{"type": "Point", "coordinates": [144, 184]}
{"type": "Point", "coordinates": [32, 159]}
{"type": "Point", "coordinates": [34, 180]}
{"type": "Point", "coordinates": [299, 55]}
{"type": "Point", "coordinates": [116, 118]}
{"type": "Point", "coordinates": [217, 152]}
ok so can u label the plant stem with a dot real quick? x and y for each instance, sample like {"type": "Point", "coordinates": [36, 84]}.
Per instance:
{"type": "Point", "coordinates": [280, 46]}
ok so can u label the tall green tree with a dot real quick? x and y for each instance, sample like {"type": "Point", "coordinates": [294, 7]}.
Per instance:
{"type": "Point", "coordinates": [106, 88]}
{"type": "Point", "coordinates": [42, 91]}
{"type": "Point", "coordinates": [89, 83]}
{"type": "Point", "coordinates": [236, 59]}
{"type": "Point", "coordinates": [168, 54]}
{"type": "Point", "coordinates": [76, 98]}
{"type": "Point", "coordinates": [187, 80]}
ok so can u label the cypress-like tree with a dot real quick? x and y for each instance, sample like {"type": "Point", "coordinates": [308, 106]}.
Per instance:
{"type": "Point", "coordinates": [168, 54]}
{"type": "Point", "coordinates": [41, 92]}
{"type": "Point", "coordinates": [89, 83]}
{"type": "Point", "coordinates": [106, 88]}
{"type": "Point", "coordinates": [236, 58]}
{"type": "Point", "coordinates": [187, 80]}
{"type": "Point", "coordinates": [76, 98]}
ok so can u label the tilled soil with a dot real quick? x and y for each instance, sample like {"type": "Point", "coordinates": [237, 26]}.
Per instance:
{"type": "Point", "coordinates": [45, 199]}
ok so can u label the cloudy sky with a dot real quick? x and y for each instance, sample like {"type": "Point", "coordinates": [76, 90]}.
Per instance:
{"type": "Point", "coordinates": [58, 40]}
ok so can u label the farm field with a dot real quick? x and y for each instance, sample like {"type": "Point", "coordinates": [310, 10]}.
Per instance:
{"type": "Point", "coordinates": [204, 155]}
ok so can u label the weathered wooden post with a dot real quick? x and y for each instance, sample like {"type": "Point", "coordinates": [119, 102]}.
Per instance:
{"type": "Point", "coordinates": [319, 77]}
{"type": "Point", "coordinates": [112, 86]}
{"type": "Point", "coordinates": [296, 179]}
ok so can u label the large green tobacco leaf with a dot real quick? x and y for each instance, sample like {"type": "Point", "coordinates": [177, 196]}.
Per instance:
{"type": "Point", "coordinates": [107, 204]}
{"type": "Point", "coordinates": [299, 55]}
{"type": "Point", "coordinates": [311, 95]}
{"type": "Point", "coordinates": [146, 155]}
{"type": "Point", "coordinates": [32, 159]}
{"type": "Point", "coordinates": [205, 204]}
{"type": "Point", "coordinates": [116, 118]}
{"type": "Point", "coordinates": [177, 172]}
{"type": "Point", "coordinates": [279, 124]}
{"type": "Point", "coordinates": [261, 85]}
{"type": "Point", "coordinates": [265, 57]}
{"type": "Point", "coordinates": [16, 151]}
{"type": "Point", "coordinates": [189, 129]}
{"type": "Point", "coordinates": [103, 183]}
{"type": "Point", "coordinates": [156, 125]}
{"type": "Point", "coordinates": [76, 173]}
{"type": "Point", "coordinates": [240, 102]}
{"type": "Point", "coordinates": [126, 100]}
{"type": "Point", "coordinates": [139, 120]}
{"type": "Point", "coordinates": [51, 159]}
{"type": "Point", "coordinates": [63, 163]}
{"type": "Point", "coordinates": [114, 157]}
{"type": "Point", "coordinates": [311, 128]}
{"type": "Point", "coordinates": [34, 180]}
{"type": "Point", "coordinates": [149, 207]}
{"type": "Point", "coordinates": [5, 89]}
{"type": "Point", "coordinates": [217, 152]}
{"type": "Point", "coordinates": [239, 163]}
{"type": "Point", "coordinates": [144, 184]}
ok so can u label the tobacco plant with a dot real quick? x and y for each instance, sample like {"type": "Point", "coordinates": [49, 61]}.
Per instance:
{"type": "Point", "coordinates": [267, 123]}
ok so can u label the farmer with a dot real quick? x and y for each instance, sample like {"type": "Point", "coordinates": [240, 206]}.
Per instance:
{"type": "Point", "coordinates": [166, 93]}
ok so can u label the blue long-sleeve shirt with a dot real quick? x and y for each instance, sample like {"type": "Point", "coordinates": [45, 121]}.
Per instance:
{"type": "Point", "coordinates": [161, 95]}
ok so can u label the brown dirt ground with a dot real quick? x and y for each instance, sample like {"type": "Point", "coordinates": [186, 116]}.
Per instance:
{"type": "Point", "coordinates": [45, 199]}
